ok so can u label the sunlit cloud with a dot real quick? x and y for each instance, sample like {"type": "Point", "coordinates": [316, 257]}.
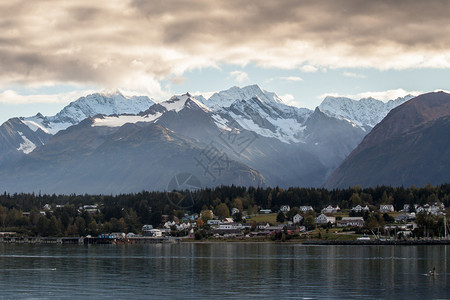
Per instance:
{"type": "Point", "coordinates": [239, 76]}
{"type": "Point", "coordinates": [114, 43]}
{"type": "Point", "coordinates": [11, 97]}
{"type": "Point", "coordinates": [308, 69]}
{"type": "Point", "coordinates": [291, 78]}
{"type": "Point", "coordinates": [353, 75]}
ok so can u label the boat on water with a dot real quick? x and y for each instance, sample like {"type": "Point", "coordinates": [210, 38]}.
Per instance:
{"type": "Point", "coordinates": [363, 238]}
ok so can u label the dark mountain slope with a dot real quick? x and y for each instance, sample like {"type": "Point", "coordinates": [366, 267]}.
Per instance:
{"type": "Point", "coordinates": [410, 146]}
{"type": "Point", "coordinates": [85, 159]}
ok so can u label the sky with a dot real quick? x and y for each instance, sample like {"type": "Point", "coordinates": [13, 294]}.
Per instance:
{"type": "Point", "coordinates": [52, 52]}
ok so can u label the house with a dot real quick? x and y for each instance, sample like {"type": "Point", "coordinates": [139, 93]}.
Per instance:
{"type": "Point", "coordinates": [213, 222]}
{"type": "Point", "coordinates": [147, 227]}
{"type": "Point", "coordinates": [419, 209]}
{"type": "Point", "coordinates": [305, 208]}
{"type": "Point", "coordinates": [275, 228]}
{"type": "Point", "coordinates": [351, 222]}
{"type": "Point", "coordinates": [406, 208]}
{"type": "Point", "coordinates": [245, 225]}
{"type": "Point", "coordinates": [330, 209]}
{"type": "Point", "coordinates": [435, 209]}
{"type": "Point", "coordinates": [228, 226]}
{"type": "Point", "coordinates": [386, 208]}
{"type": "Point", "coordinates": [169, 224]}
{"type": "Point", "coordinates": [152, 232]}
{"type": "Point", "coordinates": [285, 208]}
{"type": "Point", "coordinates": [234, 211]}
{"type": "Point", "coordinates": [323, 219]}
{"type": "Point", "coordinates": [358, 208]}
{"type": "Point", "coordinates": [297, 219]}
{"type": "Point", "coordinates": [228, 220]}
{"type": "Point", "coordinates": [405, 218]}
{"type": "Point", "coordinates": [265, 211]}
{"type": "Point", "coordinates": [262, 226]}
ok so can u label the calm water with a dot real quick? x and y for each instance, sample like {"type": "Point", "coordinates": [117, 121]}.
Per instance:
{"type": "Point", "coordinates": [225, 270]}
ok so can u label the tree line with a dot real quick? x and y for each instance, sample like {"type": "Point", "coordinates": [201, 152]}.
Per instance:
{"type": "Point", "coordinates": [23, 212]}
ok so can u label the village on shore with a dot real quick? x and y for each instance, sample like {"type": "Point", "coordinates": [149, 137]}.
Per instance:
{"type": "Point", "coordinates": [288, 224]}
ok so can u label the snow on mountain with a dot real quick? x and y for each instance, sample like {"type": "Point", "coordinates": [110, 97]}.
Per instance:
{"type": "Point", "coordinates": [256, 115]}
{"type": "Point", "coordinates": [366, 112]}
{"type": "Point", "coordinates": [227, 97]}
{"type": "Point", "coordinates": [105, 104]}
{"type": "Point", "coordinates": [117, 121]}
{"type": "Point", "coordinates": [260, 111]}
{"type": "Point", "coordinates": [27, 146]}
{"type": "Point", "coordinates": [100, 103]}
{"type": "Point", "coordinates": [177, 103]}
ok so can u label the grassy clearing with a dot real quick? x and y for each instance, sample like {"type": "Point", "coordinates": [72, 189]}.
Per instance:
{"type": "Point", "coordinates": [264, 218]}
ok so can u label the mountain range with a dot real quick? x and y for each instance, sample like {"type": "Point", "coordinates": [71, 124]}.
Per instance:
{"type": "Point", "coordinates": [110, 143]}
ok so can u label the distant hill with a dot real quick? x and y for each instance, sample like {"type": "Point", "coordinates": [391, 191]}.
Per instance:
{"type": "Point", "coordinates": [411, 145]}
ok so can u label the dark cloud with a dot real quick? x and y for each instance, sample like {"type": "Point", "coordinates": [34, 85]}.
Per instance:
{"type": "Point", "coordinates": [109, 42]}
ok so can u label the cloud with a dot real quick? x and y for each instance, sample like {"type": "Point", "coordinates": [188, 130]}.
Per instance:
{"type": "Point", "coordinates": [381, 95]}
{"type": "Point", "coordinates": [308, 69]}
{"type": "Point", "coordinates": [13, 98]}
{"type": "Point", "coordinates": [291, 78]}
{"type": "Point", "coordinates": [353, 75]}
{"type": "Point", "coordinates": [286, 78]}
{"type": "Point", "coordinates": [239, 76]}
{"type": "Point", "coordinates": [289, 99]}
{"type": "Point", "coordinates": [107, 43]}
{"type": "Point", "coordinates": [178, 80]}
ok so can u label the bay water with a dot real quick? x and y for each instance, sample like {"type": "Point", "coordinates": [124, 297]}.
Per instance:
{"type": "Point", "coordinates": [223, 270]}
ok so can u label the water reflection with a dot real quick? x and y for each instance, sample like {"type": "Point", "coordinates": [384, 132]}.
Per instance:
{"type": "Point", "coordinates": [222, 270]}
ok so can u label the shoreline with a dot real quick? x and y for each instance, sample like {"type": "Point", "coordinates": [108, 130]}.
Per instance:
{"type": "Point", "coordinates": [175, 240]}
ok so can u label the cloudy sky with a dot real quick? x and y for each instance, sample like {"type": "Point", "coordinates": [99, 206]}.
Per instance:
{"type": "Point", "coordinates": [52, 52]}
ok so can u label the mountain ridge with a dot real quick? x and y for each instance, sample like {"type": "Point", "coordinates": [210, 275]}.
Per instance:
{"type": "Point", "coordinates": [401, 149]}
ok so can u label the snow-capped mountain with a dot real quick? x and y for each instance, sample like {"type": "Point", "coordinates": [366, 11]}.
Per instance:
{"type": "Point", "coordinates": [227, 97]}
{"type": "Point", "coordinates": [268, 140]}
{"type": "Point", "coordinates": [17, 139]}
{"type": "Point", "coordinates": [89, 106]}
{"type": "Point", "coordinates": [366, 112]}
{"type": "Point", "coordinates": [255, 109]}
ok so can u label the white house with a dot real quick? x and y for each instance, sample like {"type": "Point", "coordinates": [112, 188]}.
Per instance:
{"type": "Point", "coordinates": [323, 219]}
{"type": "Point", "coordinates": [228, 226]}
{"type": "Point", "coordinates": [385, 208]}
{"type": "Point", "coordinates": [330, 209]}
{"type": "Point", "coordinates": [263, 226]}
{"type": "Point", "coordinates": [305, 208]}
{"type": "Point", "coordinates": [358, 208]}
{"type": "Point", "coordinates": [297, 219]}
{"type": "Point", "coordinates": [285, 208]}
{"type": "Point", "coordinates": [351, 222]}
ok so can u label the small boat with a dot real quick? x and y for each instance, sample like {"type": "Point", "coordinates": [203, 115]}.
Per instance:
{"type": "Point", "coordinates": [432, 272]}
{"type": "Point", "coordinates": [363, 238]}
